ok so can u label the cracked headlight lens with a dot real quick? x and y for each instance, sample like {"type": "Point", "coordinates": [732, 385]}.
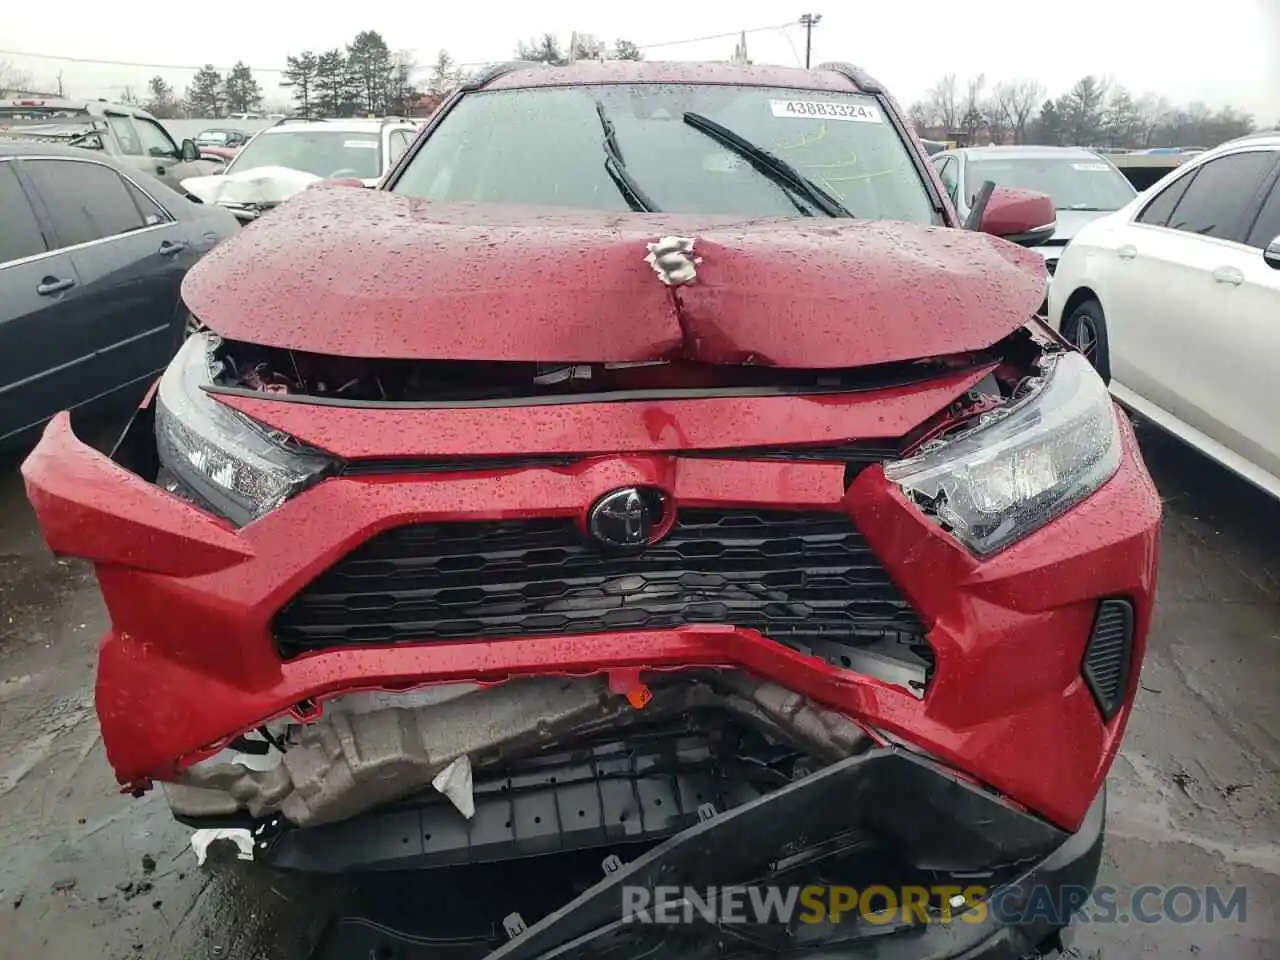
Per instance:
{"type": "Point", "coordinates": [1023, 467]}
{"type": "Point", "coordinates": [216, 457]}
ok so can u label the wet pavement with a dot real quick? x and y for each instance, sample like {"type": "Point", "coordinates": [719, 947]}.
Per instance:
{"type": "Point", "coordinates": [89, 873]}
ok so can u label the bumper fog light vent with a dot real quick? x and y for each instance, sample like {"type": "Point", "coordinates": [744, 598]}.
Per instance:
{"type": "Point", "coordinates": [1108, 655]}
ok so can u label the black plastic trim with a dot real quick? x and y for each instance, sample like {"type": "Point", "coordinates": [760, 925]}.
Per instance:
{"type": "Point", "coordinates": [858, 452]}
{"type": "Point", "coordinates": [1108, 656]}
{"type": "Point", "coordinates": [921, 811]}
{"type": "Point", "coordinates": [549, 400]}
{"type": "Point", "coordinates": [859, 77]}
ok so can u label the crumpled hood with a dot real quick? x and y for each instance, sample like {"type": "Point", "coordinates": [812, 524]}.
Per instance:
{"type": "Point", "coordinates": [260, 185]}
{"type": "Point", "coordinates": [364, 273]}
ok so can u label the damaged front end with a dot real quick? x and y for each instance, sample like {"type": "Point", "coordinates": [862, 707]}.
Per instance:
{"type": "Point", "coordinates": [371, 749]}
{"type": "Point", "coordinates": [708, 784]}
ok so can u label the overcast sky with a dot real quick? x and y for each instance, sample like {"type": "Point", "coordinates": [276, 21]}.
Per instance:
{"type": "Point", "coordinates": [1226, 51]}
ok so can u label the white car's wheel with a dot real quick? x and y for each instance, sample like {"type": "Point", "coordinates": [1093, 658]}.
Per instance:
{"type": "Point", "coordinates": [1086, 328]}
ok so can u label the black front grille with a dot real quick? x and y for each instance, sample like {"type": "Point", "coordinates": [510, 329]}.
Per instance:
{"type": "Point", "coordinates": [806, 579]}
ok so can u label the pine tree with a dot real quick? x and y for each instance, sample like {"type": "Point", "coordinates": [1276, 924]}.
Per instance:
{"type": "Point", "coordinates": [205, 97]}
{"type": "Point", "coordinates": [300, 74]}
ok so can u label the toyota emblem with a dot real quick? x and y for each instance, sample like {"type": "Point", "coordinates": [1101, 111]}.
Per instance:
{"type": "Point", "coordinates": [628, 518]}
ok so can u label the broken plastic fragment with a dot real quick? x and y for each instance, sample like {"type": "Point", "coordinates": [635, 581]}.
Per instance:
{"type": "Point", "coordinates": [514, 924]}
{"type": "Point", "coordinates": [201, 839]}
{"type": "Point", "coordinates": [454, 781]}
{"type": "Point", "coordinates": [639, 695]}
{"type": "Point", "coordinates": [673, 261]}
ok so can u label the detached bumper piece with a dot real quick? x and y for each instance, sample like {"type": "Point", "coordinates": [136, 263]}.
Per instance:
{"type": "Point", "coordinates": [645, 788]}
{"type": "Point", "coordinates": [886, 817]}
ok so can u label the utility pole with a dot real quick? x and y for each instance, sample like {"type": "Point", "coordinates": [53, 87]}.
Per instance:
{"type": "Point", "coordinates": [809, 21]}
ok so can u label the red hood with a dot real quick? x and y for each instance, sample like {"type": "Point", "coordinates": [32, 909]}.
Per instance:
{"type": "Point", "coordinates": [365, 273]}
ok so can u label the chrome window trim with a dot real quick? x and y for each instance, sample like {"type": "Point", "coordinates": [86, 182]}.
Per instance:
{"type": "Point", "coordinates": [89, 243]}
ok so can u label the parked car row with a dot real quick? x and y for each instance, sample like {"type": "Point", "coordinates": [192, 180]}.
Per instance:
{"type": "Point", "coordinates": [726, 454]}
{"type": "Point", "coordinates": [1174, 293]}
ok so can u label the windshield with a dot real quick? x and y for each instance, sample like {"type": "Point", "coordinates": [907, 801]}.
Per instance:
{"type": "Point", "coordinates": [212, 136]}
{"type": "Point", "coordinates": [324, 153]}
{"type": "Point", "coordinates": [1074, 183]}
{"type": "Point", "coordinates": [546, 146]}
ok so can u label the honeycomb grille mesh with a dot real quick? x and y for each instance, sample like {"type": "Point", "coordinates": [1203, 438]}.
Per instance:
{"type": "Point", "coordinates": [796, 577]}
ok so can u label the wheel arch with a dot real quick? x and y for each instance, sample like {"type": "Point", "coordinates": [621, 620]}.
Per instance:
{"type": "Point", "coordinates": [1078, 296]}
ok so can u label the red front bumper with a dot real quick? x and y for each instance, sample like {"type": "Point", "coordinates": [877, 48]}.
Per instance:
{"type": "Point", "coordinates": [189, 661]}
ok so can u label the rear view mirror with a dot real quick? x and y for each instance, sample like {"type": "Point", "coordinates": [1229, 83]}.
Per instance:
{"type": "Point", "coordinates": [190, 151]}
{"type": "Point", "coordinates": [1272, 254]}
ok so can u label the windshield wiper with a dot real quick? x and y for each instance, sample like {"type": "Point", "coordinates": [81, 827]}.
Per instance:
{"type": "Point", "coordinates": [773, 167]}
{"type": "Point", "coordinates": [617, 168]}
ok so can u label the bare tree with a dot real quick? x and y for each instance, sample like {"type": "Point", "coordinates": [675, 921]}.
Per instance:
{"type": "Point", "coordinates": [1017, 101]}
{"type": "Point", "coordinates": [971, 116]}
{"type": "Point", "coordinates": [999, 127]}
{"type": "Point", "coordinates": [13, 80]}
{"type": "Point", "coordinates": [922, 116]}
{"type": "Point", "coordinates": [1154, 112]}
{"type": "Point", "coordinates": [943, 101]}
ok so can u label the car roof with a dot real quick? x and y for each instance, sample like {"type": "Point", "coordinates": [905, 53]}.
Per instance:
{"type": "Point", "coordinates": [25, 148]}
{"type": "Point", "coordinates": [91, 106]}
{"type": "Point", "coordinates": [1027, 152]}
{"type": "Point", "coordinates": [1262, 138]}
{"type": "Point", "coordinates": [515, 76]}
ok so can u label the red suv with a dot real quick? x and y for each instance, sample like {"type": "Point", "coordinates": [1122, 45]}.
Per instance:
{"type": "Point", "coordinates": [650, 459]}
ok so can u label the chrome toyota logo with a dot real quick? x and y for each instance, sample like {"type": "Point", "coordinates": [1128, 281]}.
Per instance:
{"type": "Point", "coordinates": [630, 517]}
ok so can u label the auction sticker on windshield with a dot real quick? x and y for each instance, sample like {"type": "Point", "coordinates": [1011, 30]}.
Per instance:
{"type": "Point", "coordinates": [825, 110]}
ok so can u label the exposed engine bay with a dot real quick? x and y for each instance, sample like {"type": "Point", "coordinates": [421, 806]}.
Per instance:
{"type": "Point", "coordinates": [353, 380]}
{"type": "Point", "coordinates": [370, 749]}
{"type": "Point", "coordinates": [711, 777]}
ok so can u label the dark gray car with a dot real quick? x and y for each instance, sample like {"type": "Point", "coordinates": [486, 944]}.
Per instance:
{"type": "Point", "coordinates": [92, 255]}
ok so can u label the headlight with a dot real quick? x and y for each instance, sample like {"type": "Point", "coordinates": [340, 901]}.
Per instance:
{"type": "Point", "coordinates": [1023, 467]}
{"type": "Point", "coordinates": [216, 457]}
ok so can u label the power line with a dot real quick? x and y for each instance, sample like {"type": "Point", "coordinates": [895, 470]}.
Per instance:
{"type": "Point", "coordinates": [714, 36]}
{"type": "Point", "coordinates": [479, 63]}
{"type": "Point", "coordinates": [126, 63]}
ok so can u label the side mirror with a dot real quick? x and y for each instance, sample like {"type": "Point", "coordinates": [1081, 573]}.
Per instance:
{"type": "Point", "coordinates": [190, 152]}
{"type": "Point", "coordinates": [1023, 217]}
{"type": "Point", "coordinates": [1272, 254]}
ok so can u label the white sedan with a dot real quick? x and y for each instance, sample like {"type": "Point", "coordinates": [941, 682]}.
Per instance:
{"type": "Point", "coordinates": [1175, 298]}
